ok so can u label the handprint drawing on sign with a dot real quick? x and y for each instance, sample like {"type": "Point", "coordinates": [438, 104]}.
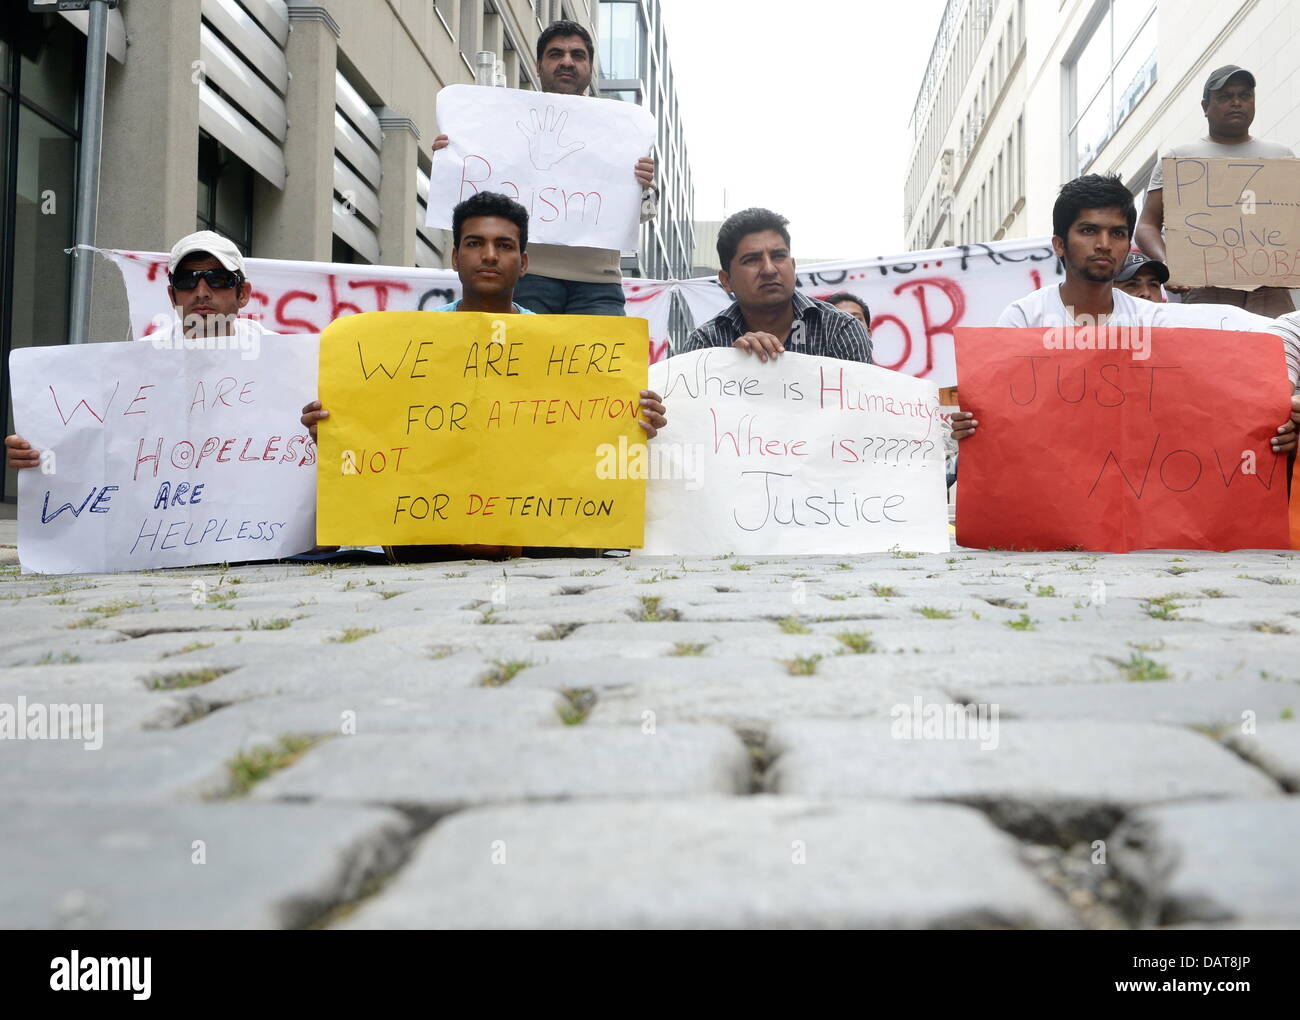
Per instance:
{"type": "Point", "coordinates": [544, 146]}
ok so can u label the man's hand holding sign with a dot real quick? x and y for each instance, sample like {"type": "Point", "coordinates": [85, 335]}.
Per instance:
{"type": "Point", "coordinates": [1090, 441]}
{"type": "Point", "coordinates": [474, 428]}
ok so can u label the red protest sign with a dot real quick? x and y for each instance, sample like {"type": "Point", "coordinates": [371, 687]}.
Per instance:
{"type": "Point", "coordinates": [1158, 440]}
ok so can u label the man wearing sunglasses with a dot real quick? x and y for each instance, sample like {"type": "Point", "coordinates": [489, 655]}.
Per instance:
{"type": "Point", "coordinates": [207, 288]}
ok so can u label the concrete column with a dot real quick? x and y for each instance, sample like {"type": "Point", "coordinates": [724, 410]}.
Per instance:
{"type": "Point", "coordinates": [148, 191]}
{"type": "Point", "coordinates": [297, 223]}
{"type": "Point", "coordinates": [399, 159]}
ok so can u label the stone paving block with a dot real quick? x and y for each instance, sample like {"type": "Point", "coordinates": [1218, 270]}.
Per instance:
{"type": "Point", "coordinates": [782, 647]}
{"type": "Point", "coordinates": [132, 866]}
{"type": "Point", "coordinates": [753, 862]}
{"type": "Point", "coordinates": [341, 668]}
{"type": "Point", "coordinates": [978, 670]}
{"type": "Point", "coordinates": [373, 708]}
{"type": "Point", "coordinates": [678, 632]}
{"type": "Point", "coordinates": [1199, 703]}
{"type": "Point", "coordinates": [570, 610]}
{"type": "Point", "coordinates": [1049, 780]}
{"type": "Point", "coordinates": [754, 699]}
{"type": "Point", "coordinates": [1215, 862]}
{"type": "Point", "coordinates": [1274, 746]}
{"type": "Point", "coordinates": [184, 764]}
{"type": "Point", "coordinates": [433, 774]}
{"type": "Point", "coordinates": [572, 649]}
{"type": "Point", "coordinates": [606, 671]}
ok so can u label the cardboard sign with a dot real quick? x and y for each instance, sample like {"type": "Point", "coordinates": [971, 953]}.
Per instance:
{"type": "Point", "coordinates": [158, 456]}
{"type": "Point", "coordinates": [1232, 222]}
{"type": "Point", "coordinates": [1084, 443]}
{"type": "Point", "coordinates": [800, 455]}
{"type": "Point", "coordinates": [567, 159]}
{"type": "Point", "coordinates": [464, 428]}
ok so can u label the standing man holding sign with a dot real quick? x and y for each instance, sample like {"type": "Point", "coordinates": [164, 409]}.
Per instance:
{"type": "Point", "coordinates": [568, 280]}
{"type": "Point", "coordinates": [768, 313]}
{"type": "Point", "coordinates": [1229, 106]}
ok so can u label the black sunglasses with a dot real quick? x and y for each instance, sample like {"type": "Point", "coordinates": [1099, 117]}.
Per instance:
{"type": "Point", "coordinates": [217, 279]}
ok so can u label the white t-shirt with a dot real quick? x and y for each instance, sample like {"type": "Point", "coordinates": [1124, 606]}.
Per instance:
{"type": "Point", "coordinates": [1045, 308]}
{"type": "Point", "coordinates": [1205, 148]}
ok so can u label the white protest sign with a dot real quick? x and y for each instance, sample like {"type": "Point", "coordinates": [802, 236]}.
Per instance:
{"type": "Point", "coordinates": [799, 455]}
{"type": "Point", "coordinates": [157, 456]}
{"type": "Point", "coordinates": [568, 160]}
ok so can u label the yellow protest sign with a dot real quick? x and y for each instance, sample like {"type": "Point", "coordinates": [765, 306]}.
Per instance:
{"type": "Point", "coordinates": [465, 428]}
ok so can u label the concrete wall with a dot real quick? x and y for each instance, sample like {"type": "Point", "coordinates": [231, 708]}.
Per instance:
{"type": "Point", "coordinates": [397, 53]}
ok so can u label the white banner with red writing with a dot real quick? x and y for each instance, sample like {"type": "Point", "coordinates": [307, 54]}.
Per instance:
{"type": "Point", "coordinates": [916, 300]}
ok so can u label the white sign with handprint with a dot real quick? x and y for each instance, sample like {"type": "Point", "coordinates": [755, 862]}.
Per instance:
{"type": "Point", "coordinates": [569, 160]}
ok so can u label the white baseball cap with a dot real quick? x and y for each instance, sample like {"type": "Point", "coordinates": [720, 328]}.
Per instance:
{"type": "Point", "coordinates": [220, 248]}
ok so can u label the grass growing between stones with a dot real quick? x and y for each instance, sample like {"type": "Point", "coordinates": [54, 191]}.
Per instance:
{"type": "Point", "coordinates": [558, 631]}
{"type": "Point", "coordinates": [386, 595]}
{"type": "Point", "coordinates": [651, 613]}
{"type": "Point", "coordinates": [352, 634]}
{"type": "Point", "coordinates": [1265, 627]}
{"type": "Point", "coordinates": [930, 613]}
{"type": "Point", "coordinates": [794, 625]}
{"type": "Point", "coordinates": [857, 643]}
{"type": "Point", "coordinates": [804, 665]}
{"type": "Point", "coordinates": [250, 767]}
{"type": "Point", "coordinates": [179, 681]}
{"type": "Point", "coordinates": [63, 658]}
{"type": "Point", "coordinates": [581, 701]}
{"type": "Point", "coordinates": [279, 623]}
{"type": "Point", "coordinates": [193, 646]}
{"type": "Point", "coordinates": [1022, 622]}
{"type": "Point", "coordinates": [740, 566]}
{"type": "Point", "coordinates": [502, 672]}
{"type": "Point", "coordinates": [685, 648]}
{"type": "Point", "coordinates": [1162, 607]}
{"type": "Point", "coordinates": [883, 591]}
{"type": "Point", "coordinates": [1140, 669]}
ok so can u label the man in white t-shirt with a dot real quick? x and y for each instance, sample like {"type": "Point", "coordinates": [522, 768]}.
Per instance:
{"type": "Point", "coordinates": [1228, 102]}
{"type": "Point", "coordinates": [207, 288]}
{"type": "Point", "coordinates": [1092, 223]}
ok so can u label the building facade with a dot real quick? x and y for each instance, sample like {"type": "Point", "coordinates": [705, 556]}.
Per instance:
{"type": "Point", "coordinates": [300, 130]}
{"type": "Point", "coordinates": [1019, 97]}
{"type": "Point", "coordinates": [634, 67]}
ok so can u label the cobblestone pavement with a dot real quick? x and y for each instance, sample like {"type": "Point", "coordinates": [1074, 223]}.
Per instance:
{"type": "Point", "coordinates": [762, 742]}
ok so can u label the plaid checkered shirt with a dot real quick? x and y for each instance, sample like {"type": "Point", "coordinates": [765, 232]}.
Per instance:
{"type": "Point", "coordinates": [819, 329]}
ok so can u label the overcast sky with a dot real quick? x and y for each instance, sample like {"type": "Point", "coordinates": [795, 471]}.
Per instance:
{"type": "Point", "coordinates": [805, 115]}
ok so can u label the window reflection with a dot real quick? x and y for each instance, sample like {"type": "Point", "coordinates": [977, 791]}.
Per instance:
{"type": "Point", "coordinates": [1113, 71]}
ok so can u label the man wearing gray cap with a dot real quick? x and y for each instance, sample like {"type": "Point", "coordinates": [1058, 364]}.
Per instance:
{"type": "Point", "coordinates": [1228, 102]}
{"type": "Point", "coordinates": [1141, 277]}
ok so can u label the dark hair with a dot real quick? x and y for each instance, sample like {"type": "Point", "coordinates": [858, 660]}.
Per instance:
{"type": "Point", "coordinates": [1091, 191]}
{"type": "Point", "coordinates": [843, 295]}
{"type": "Point", "coordinates": [741, 224]}
{"type": "Point", "coordinates": [489, 203]}
{"type": "Point", "coordinates": [560, 29]}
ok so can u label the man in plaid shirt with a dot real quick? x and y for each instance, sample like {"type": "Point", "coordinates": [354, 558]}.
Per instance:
{"type": "Point", "coordinates": [769, 316]}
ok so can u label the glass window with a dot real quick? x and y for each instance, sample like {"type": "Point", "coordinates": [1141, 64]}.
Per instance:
{"type": "Point", "coordinates": [53, 55]}
{"type": "Point", "coordinates": [1111, 73]}
{"type": "Point", "coordinates": [620, 41]}
{"type": "Point", "coordinates": [225, 193]}
{"type": "Point", "coordinates": [43, 227]}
